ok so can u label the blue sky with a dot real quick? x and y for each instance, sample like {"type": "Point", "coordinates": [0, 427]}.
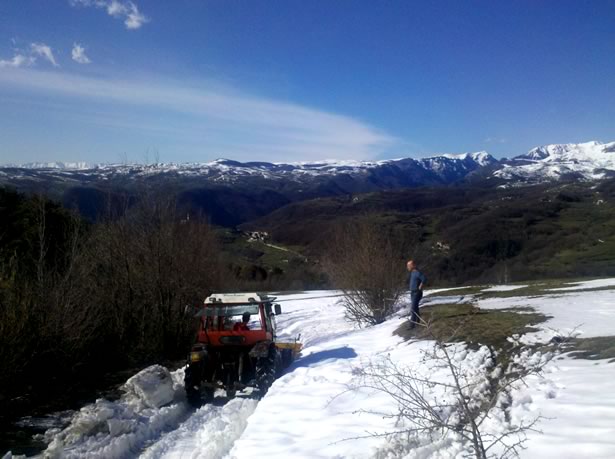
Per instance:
{"type": "Point", "coordinates": [286, 80]}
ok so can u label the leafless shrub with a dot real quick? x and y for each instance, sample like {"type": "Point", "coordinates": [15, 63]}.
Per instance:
{"type": "Point", "coordinates": [42, 318]}
{"type": "Point", "coordinates": [368, 267]}
{"type": "Point", "coordinates": [442, 399]}
{"type": "Point", "coordinates": [146, 267]}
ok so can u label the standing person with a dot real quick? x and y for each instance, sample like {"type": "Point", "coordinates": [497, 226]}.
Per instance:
{"type": "Point", "coordinates": [416, 282]}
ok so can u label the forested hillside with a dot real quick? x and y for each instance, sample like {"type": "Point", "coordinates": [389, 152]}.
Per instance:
{"type": "Point", "coordinates": [472, 234]}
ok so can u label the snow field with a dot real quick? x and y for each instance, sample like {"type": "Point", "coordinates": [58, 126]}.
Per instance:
{"type": "Point", "coordinates": [576, 397]}
{"type": "Point", "coordinates": [597, 283]}
{"type": "Point", "coordinates": [305, 413]}
{"type": "Point", "coordinates": [583, 314]}
{"type": "Point", "coordinates": [310, 412]}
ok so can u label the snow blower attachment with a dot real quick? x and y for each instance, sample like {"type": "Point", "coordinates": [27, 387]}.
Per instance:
{"type": "Point", "coordinates": [236, 346]}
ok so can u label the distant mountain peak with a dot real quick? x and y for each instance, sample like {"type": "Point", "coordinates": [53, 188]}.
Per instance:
{"type": "Point", "coordinates": [555, 152]}
{"type": "Point", "coordinates": [587, 160]}
{"type": "Point", "coordinates": [481, 157]}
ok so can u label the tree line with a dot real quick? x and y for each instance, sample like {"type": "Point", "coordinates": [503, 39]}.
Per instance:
{"type": "Point", "coordinates": [79, 299]}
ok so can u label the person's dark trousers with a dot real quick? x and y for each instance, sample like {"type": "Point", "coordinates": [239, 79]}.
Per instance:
{"type": "Point", "coordinates": [415, 298]}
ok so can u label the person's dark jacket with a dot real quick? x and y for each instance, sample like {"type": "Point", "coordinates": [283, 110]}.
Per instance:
{"type": "Point", "coordinates": [415, 278]}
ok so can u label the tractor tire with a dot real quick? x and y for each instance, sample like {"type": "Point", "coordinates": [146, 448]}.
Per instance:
{"type": "Point", "coordinates": [287, 360]}
{"type": "Point", "coordinates": [266, 369]}
{"type": "Point", "coordinates": [230, 387]}
{"type": "Point", "coordinates": [192, 385]}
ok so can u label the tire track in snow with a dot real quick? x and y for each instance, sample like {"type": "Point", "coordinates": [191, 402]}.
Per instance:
{"type": "Point", "coordinates": [212, 430]}
{"type": "Point", "coordinates": [208, 434]}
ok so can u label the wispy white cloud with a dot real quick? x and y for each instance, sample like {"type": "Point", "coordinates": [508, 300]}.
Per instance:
{"type": "Point", "coordinates": [133, 18]}
{"type": "Point", "coordinates": [78, 54]}
{"type": "Point", "coordinates": [18, 60]}
{"type": "Point", "coordinates": [224, 120]}
{"type": "Point", "coordinates": [28, 57]}
{"type": "Point", "coordinates": [119, 9]}
{"type": "Point", "coordinates": [43, 50]}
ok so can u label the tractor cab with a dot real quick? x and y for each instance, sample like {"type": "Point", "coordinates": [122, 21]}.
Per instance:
{"type": "Point", "coordinates": [237, 319]}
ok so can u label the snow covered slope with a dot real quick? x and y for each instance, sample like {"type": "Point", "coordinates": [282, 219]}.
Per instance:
{"type": "Point", "coordinates": [320, 421]}
{"type": "Point", "coordinates": [589, 161]}
{"type": "Point", "coordinates": [309, 413]}
{"type": "Point", "coordinates": [53, 165]}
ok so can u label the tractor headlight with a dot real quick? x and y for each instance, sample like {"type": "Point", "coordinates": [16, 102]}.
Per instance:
{"type": "Point", "coordinates": [196, 356]}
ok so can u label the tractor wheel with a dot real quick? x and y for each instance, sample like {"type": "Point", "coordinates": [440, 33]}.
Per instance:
{"type": "Point", "coordinates": [192, 384]}
{"type": "Point", "coordinates": [230, 387]}
{"type": "Point", "coordinates": [266, 372]}
{"type": "Point", "coordinates": [207, 395]}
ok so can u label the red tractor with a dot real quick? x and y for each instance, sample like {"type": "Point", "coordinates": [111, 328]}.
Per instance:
{"type": "Point", "coordinates": [236, 346]}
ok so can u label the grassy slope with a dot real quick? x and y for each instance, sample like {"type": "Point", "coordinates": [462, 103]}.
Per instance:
{"type": "Point", "coordinates": [261, 265]}
{"type": "Point", "coordinates": [466, 322]}
{"type": "Point", "coordinates": [473, 235]}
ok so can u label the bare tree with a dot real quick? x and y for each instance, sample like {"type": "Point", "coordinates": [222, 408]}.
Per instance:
{"type": "Point", "coordinates": [367, 265]}
{"type": "Point", "coordinates": [444, 398]}
{"type": "Point", "coordinates": [41, 221]}
{"type": "Point", "coordinates": [149, 264]}
{"type": "Point", "coordinates": [72, 319]}
{"type": "Point", "coordinates": [43, 318]}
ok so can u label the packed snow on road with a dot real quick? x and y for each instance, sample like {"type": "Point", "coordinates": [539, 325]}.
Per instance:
{"type": "Point", "coordinates": [315, 410]}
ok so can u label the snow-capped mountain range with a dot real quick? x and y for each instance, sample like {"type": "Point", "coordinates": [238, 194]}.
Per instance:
{"type": "Point", "coordinates": [589, 161]}
{"type": "Point", "coordinates": [585, 161]}
{"type": "Point", "coordinates": [230, 170]}
{"type": "Point", "coordinates": [232, 193]}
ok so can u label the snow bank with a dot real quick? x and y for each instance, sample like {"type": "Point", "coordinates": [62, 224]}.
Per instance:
{"type": "Point", "coordinates": [10, 455]}
{"type": "Point", "coordinates": [153, 386]}
{"type": "Point", "coordinates": [598, 283]}
{"type": "Point", "coordinates": [119, 429]}
{"type": "Point", "coordinates": [474, 370]}
{"type": "Point", "coordinates": [503, 288]}
{"type": "Point", "coordinates": [208, 434]}
{"type": "Point", "coordinates": [438, 290]}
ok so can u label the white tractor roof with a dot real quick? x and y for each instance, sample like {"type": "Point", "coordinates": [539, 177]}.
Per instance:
{"type": "Point", "coordinates": [238, 298]}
